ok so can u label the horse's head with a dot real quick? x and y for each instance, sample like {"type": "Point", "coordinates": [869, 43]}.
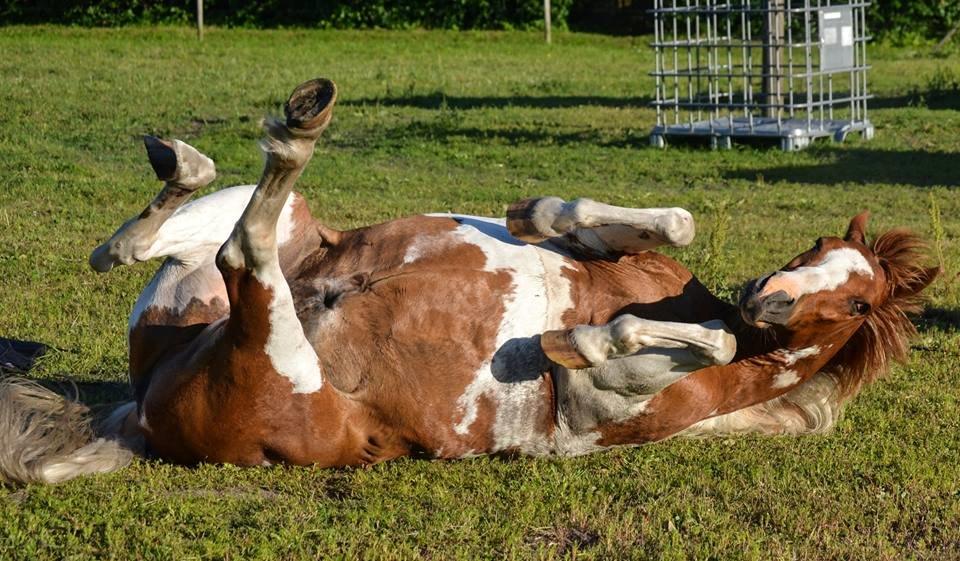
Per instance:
{"type": "Point", "coordinates": [839, 285]}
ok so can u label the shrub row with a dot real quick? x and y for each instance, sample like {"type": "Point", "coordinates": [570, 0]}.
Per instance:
{"type": "Point", "coordinates": [391, 14]}
{"type": "Point", "coordinates": [902, 20]}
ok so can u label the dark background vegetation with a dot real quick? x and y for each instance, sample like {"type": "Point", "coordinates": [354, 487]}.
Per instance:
{"type": "Point", "coordinates": [903, 21]}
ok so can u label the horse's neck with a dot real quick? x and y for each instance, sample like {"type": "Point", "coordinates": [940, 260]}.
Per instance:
{"type": "Point", "coordinates": [769, 363]}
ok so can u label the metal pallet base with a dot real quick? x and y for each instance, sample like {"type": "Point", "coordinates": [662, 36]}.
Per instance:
{"type": "Point", "coordinates": [793, 134]}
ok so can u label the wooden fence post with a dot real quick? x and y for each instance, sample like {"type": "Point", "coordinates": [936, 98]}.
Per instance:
{"type": "Point", "coordinates": [200, 20]}
{"type": "Point", "coordinates": [546, 20]}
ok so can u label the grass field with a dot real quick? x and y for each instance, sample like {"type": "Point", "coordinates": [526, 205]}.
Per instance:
{"type": "Point", "coordinates": [436, 121]}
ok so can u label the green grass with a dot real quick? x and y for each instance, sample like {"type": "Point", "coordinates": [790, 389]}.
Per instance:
{"type": "Point", "coordinates": [435, 121]}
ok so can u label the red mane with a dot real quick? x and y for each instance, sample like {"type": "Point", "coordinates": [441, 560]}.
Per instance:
{"type": "Point", "coordinates": [885, 335]}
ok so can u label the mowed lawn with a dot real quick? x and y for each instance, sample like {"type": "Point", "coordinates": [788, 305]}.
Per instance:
{"type": "Point", "coordinates": [469, 122]}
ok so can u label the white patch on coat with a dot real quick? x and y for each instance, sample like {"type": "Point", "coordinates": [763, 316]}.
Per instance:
{"type": "Point", "coordinates": [201, 226]}
{"type": "Point", "coordinates": [833, 271]}
{"type": "Point", "coordinates": [785, 379]}
{"type": "Point", "coordinates": [789, 377]}
{"type": "Point", "coordinates": [791, 356]}
{"type": "Point", "coordinates": [538, 297]}
{"type": "Point", "coordinates": [639, 408]}
{"type": "Point", "coordinates": [290, 353]}
{"type": "Point", "coordinates": [191, 237]}
{"type": "Point", "coordinates": [142, 421]}
{"type": "Point", "coordinates": [572, 443]}
{"type": "Point", "coordinates": [174, 285]}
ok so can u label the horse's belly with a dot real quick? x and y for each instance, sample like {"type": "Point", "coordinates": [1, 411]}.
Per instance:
{"type": "Point", "coordinates": [446, 336]}
{"type": "Point", "coordinates": [510, 391]}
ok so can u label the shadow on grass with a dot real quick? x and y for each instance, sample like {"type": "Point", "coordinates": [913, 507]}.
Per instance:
{"type": "Point", "coordinates": [18, 358]}
{"type": "Point", "coordinates": [925, 100]}
{"type": "Point", "coordinates": [864, 165]}
{"type": "Point", "coordinates": [438, 100]}
{"type": "Point", "coordinates": [941, 319]}
{"type": "Point", "coordinates": [441, 130]}
{"type": "Point", "coordinates": [99, 396]}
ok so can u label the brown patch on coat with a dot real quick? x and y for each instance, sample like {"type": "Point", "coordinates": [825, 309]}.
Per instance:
{"type": "Point", "coordinates": [646, 284]}
{"type": "Point", "coordinates": [412, 341]}
{"type": "Point", "coordinates": [226, 403]}
{"type": "Point", "coordinates": [160, 331]}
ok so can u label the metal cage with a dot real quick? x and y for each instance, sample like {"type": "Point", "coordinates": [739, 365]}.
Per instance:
{"type": "Point", "coordinates": [787, 70]}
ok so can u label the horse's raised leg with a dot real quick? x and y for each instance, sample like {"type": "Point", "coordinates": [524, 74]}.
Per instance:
{"type": "Point", "coordinates": [608, 373]}
{"type": "Point", "coordinates": [262, 313]}
{"type": "Point", "coordinates": [245, 390]}
{"type": "Point", "coordinates": [601, 228]}
{"type": "Point", "coordinates": [587, 345]}
{"type": "Point", "coordinates": [183, 170]}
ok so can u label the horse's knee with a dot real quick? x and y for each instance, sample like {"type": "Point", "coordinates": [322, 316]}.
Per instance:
{"type": "Point", "coordinates": [676, 226]}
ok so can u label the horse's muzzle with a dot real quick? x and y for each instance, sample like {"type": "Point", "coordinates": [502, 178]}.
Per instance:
{"type": "Point", "coordinates": [764, 311]}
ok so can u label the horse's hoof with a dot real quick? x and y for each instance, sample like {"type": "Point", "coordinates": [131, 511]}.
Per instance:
{"type": "Point", "coordinates": [177, 162]}
{"type": "Point", "coordinates": [559, 348]}
{"type": "Point", "coordinates": [310, 106]}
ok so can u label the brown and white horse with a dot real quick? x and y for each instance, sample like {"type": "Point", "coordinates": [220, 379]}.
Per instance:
{"type": "Point", "coordinates": [267, 337]}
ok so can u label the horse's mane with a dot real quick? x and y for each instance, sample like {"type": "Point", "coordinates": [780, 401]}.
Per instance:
{"type": "Point", "coordinates": [885, 334]}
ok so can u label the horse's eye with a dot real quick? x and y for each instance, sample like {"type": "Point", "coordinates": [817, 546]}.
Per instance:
{"type": "Point", "coordinates": [819, 245]}
{"type": "Point", "coordinates": [859, 307]}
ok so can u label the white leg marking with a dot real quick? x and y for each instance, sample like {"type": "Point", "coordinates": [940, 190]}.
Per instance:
{"type": "Point", "coordinates": [290, 352]}
{"type": "Point", "coordinates": [672, 225]}
{"type": "Point", "coordinates": [628, 334]}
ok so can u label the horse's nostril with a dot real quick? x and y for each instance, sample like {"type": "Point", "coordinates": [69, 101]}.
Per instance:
{"type": "Point", "coordinates": [780, 304]}
{"type": "Point", "coordinates": [778, 299]}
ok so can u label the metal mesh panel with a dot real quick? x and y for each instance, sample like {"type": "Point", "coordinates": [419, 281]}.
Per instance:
{"type": "Point", "coordinates": [792, 70]}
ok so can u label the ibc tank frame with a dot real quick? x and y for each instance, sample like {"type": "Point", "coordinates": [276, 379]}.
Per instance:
{"type": "Point", "coordinates": [787, 70]}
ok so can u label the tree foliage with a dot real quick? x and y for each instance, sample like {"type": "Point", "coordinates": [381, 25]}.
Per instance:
{"type": "Point", "coordinates": [913, 20]}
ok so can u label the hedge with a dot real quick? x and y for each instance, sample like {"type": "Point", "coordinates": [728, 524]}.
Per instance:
{"type": "Point", "coordinates": [390, 14]}
{"type": "Point", "coordinates": [900, 20]}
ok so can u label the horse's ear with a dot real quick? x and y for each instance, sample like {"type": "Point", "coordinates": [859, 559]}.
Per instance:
{"type": "Point", "coordinates": [915, 283]}
{"type": "Point", "coordinates": [857, 230]}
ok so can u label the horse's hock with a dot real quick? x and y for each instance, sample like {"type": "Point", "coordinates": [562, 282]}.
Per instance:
{"type": "Point", "coordinates": [782, 70]}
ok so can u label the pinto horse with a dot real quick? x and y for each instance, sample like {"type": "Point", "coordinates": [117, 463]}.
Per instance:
{"type": "Point", "coordinates": [266, 337]}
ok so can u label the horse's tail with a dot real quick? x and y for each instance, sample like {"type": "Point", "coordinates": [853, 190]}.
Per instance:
{"type": "Point", "coordinates": [47, 438]}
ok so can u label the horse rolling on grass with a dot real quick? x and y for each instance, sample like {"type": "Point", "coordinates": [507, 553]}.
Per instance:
{"type": "Point", "coordinates": [266, 337]}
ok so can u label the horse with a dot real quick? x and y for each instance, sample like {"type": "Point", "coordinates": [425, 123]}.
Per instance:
{"type": "Point", "coordinates": [266, 337]}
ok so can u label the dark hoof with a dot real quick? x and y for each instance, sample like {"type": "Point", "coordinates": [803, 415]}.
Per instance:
{"type": "Point", "coordinates": [559, 348]}
{"type": "Point", "coordinates": [162, 157]}
{"type": "Point", "coordinates": [311, 104]}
